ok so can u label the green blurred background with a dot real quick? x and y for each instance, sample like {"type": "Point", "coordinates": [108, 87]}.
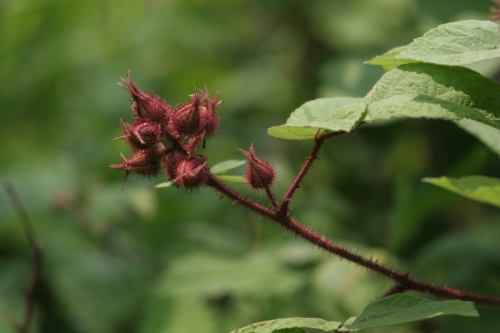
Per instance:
{"type": "Point", "coordinates": [160, 260]}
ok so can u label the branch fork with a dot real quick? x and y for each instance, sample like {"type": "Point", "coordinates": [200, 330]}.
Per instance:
{"type": "Point", "coordinates": [186, 126]}
{"type": "Point", "coordinates": [280, 214]}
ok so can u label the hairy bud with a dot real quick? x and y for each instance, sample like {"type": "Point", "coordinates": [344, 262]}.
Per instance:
{"type": "Point", "coordinates": [259, 173]}
{"type": "Point", "coordinates": [146, 107]}
{"type": "Point", "coordinates": [209, 116]}
{"type": "Point", "coordinates": [141, 135]}
{"type": "Point", "coordinates": [171, 165]}
{"type": "Point", "coordinates": [186, 117]}
{"type": "Point", "coordinates": [191, 172]}
{"type": "Point", "coordinates": [146, 163]}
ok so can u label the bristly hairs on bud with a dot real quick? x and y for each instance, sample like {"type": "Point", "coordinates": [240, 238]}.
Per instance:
{"type": "Point", "coordinates": [191, 172]}
{"type": "Point", "coordinates": [146, 107]}
{"type": "Point", "coordinates": [171, 164]}
{"type": "Point", "coordinates": [186, 117]}
{"type": "Point", "coordinates": [208, 113]}
{"type": "Point", "coordinates": [259, 173]}
{"type": "Point", "coordinates": [185, 128]}
{"type": "Point", "coordinates": [145, 163]}
{"type": "Point", "coordinates": [142, 135]}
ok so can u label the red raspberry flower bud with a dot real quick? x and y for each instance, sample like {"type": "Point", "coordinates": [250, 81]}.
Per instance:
{"type": "Point", "coordinates": [209, 116]}
{"type": "Point", "coordinates": [146, 163]}
{"type": "Point", "coordinates": [146, 107]}
{"type": "Point", "coordinates": [259, 173]}
{"type": "Point", "coordinates": [191, 172]}
{"type": "Point", "coordinates": [141, 135]}
{"type": "Point", "coordinates": [186, 117]}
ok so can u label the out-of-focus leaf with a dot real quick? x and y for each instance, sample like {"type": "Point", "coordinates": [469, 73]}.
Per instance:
{"type": "Point", "coordinates": [456, 44]}
{"type": "Point", "coordinates": [360, 24]}
{"type": "Point", "coordinates": [349, 285]}
{"type": "Point", "coordinates": [184, 314]}
{"type": "Point", "coordinates": [98, 290]}
{"type": "Point", "coordinates": [257, 274]}
{"type": "Point", "coordinates": [223, 167]}
{"type": "Point", "coordinates": [488, 135]}
{"type": "Point", "coordinates": [398, 309]}
{"type": "Point", "coordinates": [433, 91]}
{"type": "Point", "coordinates": [6, 328]}
{"type": "Point", "coordinates": [463, 258]}
{"type": "Point", "coordinates": [277, 325]}
{"type": "Point", "coordinates": [165, 184]}
{"type": "Point", "coordinates": [347, 76]}
{"type": "Point", "coordinates": [109, 204]}
{"type": "Point", "coordinates": [232, 179]}
{"type": "Point", "coordinates": [319, 117]}
{"type": "Point", "coordinates": [144, 201]}
{"type": "Point", "coordinates": [479, 188]}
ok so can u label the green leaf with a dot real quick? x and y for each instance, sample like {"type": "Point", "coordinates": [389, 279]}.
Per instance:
{"type": "Point", "coordinates": [397, 309]}
{"type": "Point", "coordinates": [322, 115]}
{"type": "Point", "coordinates": [223, 167]}
{"type": "Point", "coordinates": [488, 135]}
{"type": "Point", "coordinates": [291, 330]}
{"type": "Point", "coordinates": [175, 314]}
{"type": "Point", "coordinates": [257, 275]}
{"type": "Point", "coordinates": [232, 179]}
{"type": "Point", "coordinates": [433, 91]}
{"type": "Point", "coordinates": [388, 61]}
{"type": "Point", "coordinates": [391, 310]}
{"type": "Point", "coordinates": [277, 325]}
{"type": "Point", "coordinates": [456, 44]}
{"type": "Point", "coordinates": [166, 184]}
{"type": "Point", "coordinates": [479, 188]}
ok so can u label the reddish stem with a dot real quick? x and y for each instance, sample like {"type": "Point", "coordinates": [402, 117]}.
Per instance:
{"type": "Point", "coordinates": [213, 182]}
{"type": "Point", "coordinates": [402, 279]}
{"type": "Point", "coordinates": [282, 217]}
{"type": "Point", "coordinates": [319, 140]}
{"type": "Point", "coordinates": [31, 288]}
{"type": "Point", "coordinates": [396, 289]}
{"type": "Point", "coordinates": [34, 276]}
{"type": "Point", "coordinates": [271, 198]}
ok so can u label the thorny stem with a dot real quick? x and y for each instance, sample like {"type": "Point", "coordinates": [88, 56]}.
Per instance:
{"type": "Point", "coordinates": [236, 197]}
{"type": "Point", "coordinates": [37, 259]}
{"type": "Point", "coordinates": [404, 282]}
{"type": "Point", "coordinates": [319, 140]}
{"type": "Point", "coordinates": [402, 279]}
{"type": "Point", "coordinates": [396, 289]}
{"type": "Point", "coordinates": [271, 198]}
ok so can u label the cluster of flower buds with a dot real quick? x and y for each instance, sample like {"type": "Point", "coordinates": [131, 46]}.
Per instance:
{"type": "Point", "coordinates": [184, 127]}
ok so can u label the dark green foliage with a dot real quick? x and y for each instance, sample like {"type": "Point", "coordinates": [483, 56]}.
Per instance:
{"type": "Point", "coordinates": [112, 257]}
